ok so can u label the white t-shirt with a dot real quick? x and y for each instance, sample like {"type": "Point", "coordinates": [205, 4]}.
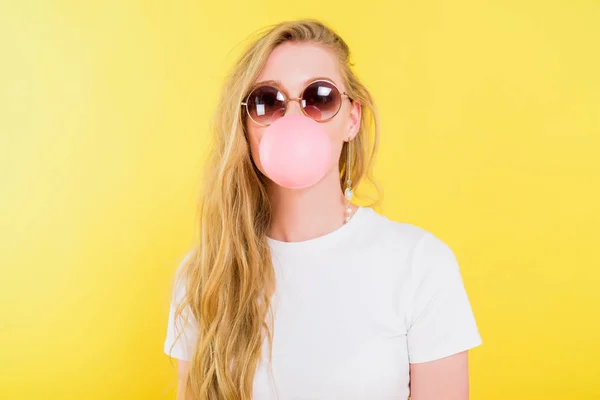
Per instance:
{"type": "Point", "coordinates": [353, 309]}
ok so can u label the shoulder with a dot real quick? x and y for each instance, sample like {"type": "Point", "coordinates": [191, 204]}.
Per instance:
{"type": "Point", "coordinates": [181, 275]}
{"type": "Point", "coordinates": [422, 250]}
{"type": "Point", "coordinates": [395, 233]}
{"type": "Point", "coordinates": [182, 326]}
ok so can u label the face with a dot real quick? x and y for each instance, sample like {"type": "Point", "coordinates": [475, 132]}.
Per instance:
{"type": "Point", "coordinates": [294, 65]}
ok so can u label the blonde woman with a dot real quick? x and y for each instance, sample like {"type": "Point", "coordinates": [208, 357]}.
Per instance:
{"type": "Point", "coordinates": [294, 292]}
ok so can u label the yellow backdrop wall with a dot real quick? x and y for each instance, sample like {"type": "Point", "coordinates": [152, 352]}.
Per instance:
{"type": "Point", "coordinates": [491, 139]}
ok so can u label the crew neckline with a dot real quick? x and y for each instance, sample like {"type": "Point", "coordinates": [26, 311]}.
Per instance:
{"type": "Point", "coordinates": [320, 242]}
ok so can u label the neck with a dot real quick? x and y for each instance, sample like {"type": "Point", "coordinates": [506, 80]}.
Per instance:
{"type": "Point", "coordinates": [305, 214]}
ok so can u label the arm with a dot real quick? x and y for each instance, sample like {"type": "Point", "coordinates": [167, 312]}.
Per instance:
{"type": "Point", "coordinates": [443, 379]}
{"type": "Point", "coordinates": [442, 326]}
{"type": "Point", "coordinates": [182, 370]}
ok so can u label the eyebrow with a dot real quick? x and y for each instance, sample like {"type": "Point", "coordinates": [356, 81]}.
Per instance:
{"type": "Point", "coordinates": [280, 84]}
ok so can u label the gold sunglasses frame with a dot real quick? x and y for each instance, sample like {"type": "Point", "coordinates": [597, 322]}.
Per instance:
{"type": "Point", "coordinates": [287, 99]}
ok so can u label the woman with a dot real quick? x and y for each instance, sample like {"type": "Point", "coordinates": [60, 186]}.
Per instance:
{"type": "Point", "coordinates": [293, 292]}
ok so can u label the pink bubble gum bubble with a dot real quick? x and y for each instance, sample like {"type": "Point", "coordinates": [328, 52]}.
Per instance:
{"type": "Point", "coordinates": [295, 152]}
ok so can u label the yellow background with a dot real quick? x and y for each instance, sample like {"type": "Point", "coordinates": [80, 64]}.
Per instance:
{"type": "Point", "coordinates": [490, 139]}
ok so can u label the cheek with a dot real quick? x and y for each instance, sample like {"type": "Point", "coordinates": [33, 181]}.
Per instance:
{"type": "Point", "coordinates": [336, 135]}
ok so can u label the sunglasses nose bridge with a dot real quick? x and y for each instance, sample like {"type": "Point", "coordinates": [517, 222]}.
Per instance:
{"type": "Point", "coordinates": [299, 107]}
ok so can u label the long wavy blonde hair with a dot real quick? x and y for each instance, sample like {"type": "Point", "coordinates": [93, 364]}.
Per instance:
{"type": "Point", "coordinates": [229, 277]}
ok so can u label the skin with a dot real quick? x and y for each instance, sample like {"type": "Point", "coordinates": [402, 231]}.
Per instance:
{"type": "Point", "coordinates": [315, 211]}
{"type": "Point", "coordinates": [182, 370]}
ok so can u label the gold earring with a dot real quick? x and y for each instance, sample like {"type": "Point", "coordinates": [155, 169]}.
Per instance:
{"type": "Point", "coordinates": [348, 192]}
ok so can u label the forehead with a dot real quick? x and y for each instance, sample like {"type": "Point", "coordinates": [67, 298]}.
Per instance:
{"type": "Point", "coordinates": [294, 63]}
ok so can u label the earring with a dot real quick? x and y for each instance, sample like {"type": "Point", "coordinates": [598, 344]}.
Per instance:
{"type": "Point", "coordinates": [348, 192]}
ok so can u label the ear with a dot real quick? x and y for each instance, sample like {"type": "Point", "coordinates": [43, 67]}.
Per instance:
{"type": "Point", "coordinates": [354, 121]}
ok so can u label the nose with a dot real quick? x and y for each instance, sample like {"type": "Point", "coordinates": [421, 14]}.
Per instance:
{"type": "Point", "coordinates": [294, 107]}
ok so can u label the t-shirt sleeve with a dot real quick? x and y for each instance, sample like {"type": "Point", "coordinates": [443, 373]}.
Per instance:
{"type": "Point", "coordinates": [441, 321]}
{"type": "Point", "coordinates": [182, 332]}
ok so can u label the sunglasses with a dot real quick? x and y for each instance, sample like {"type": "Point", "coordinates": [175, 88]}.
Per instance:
{"type": "Point", "coordinates": [321, 100]}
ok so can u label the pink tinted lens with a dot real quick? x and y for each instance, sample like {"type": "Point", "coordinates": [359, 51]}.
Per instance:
{"type": "Point", "coordinates": [266, 104]}
{"type": "Point", "coordinates": [321, 100]}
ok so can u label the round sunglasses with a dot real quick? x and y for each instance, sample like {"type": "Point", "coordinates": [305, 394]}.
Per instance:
{"type": "Point", "coordinates": [321, 100]}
